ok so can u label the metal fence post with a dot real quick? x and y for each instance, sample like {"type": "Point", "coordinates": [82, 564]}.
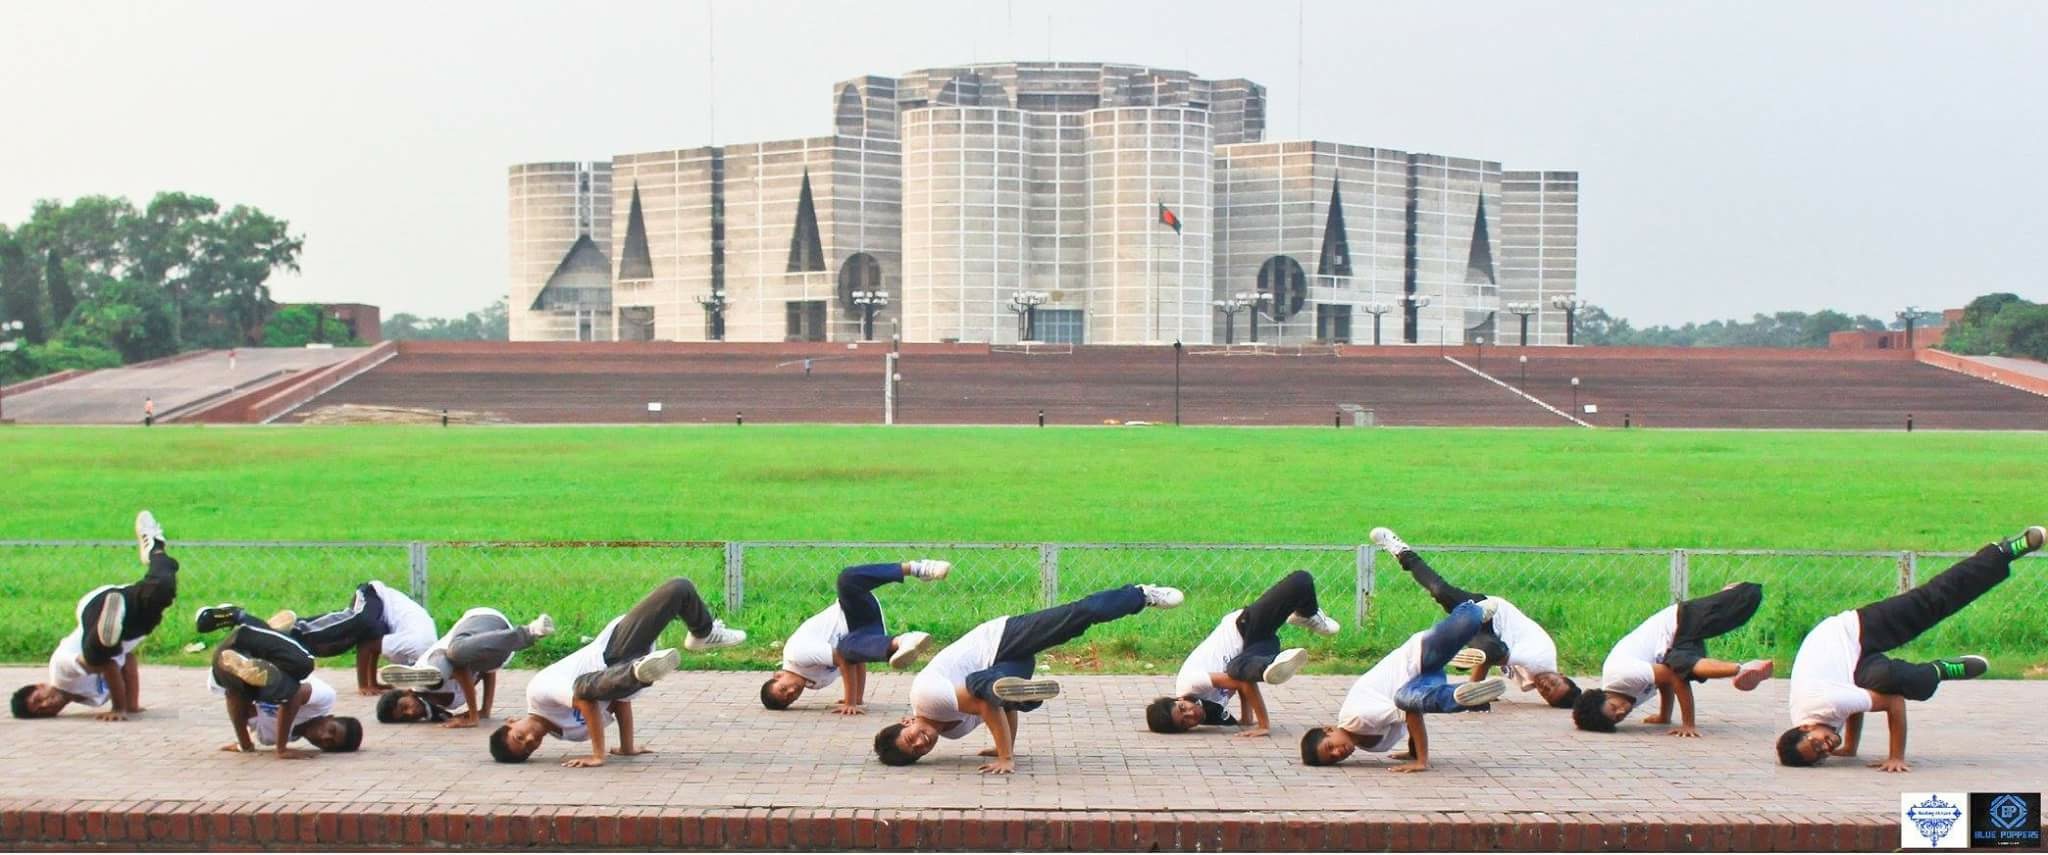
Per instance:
{"type": "Point", "coordinates": [1366, 556]}
{"type": "Point", "coordinates": [1049, 573]}
{"type": "Point", "coordinates": [416, 554]}
{"type": "Point", "coordinates": [735, 576]}
{"type": "Point", "coordinates": [1681, 575]}
{"type": "Point", "coordinates": [1909, 567]}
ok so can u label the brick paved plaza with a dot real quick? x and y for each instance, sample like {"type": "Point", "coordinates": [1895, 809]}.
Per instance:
{"type": "Point", "coordinates": [1521, 769]}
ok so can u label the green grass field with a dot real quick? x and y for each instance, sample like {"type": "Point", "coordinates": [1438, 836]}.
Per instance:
{"type": "Point", "coordinates": [1548, 487]}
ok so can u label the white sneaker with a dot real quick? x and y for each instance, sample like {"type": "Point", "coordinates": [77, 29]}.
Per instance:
{"type": "Point", "coordinates": [147, 533]}
{"type": "Point", "coordinates": [1481, 693]}
{"type": "Point", "coordinates": [908, 646]}
{"type": "Point", "coordinates": [654, 666]}
{"type": "Point", "coordinates": [1285, 666]}
{"type": "Point", "coordinates": [720, 636]}
{"type": "Point", "coordinates": [409, 676]}
{"type": "Point", "coordinates": [113, 612]}
{"type": "Point", "coordinates": [1023, 691]}
{"type": "Point", "coordinates": [1468, 659]}
{"type": "Point", "coordinates": [1386, 539]}
{"type": "Point", "coordinates": [930, 569]}
{"type": "Point", "coordinates": [1162, 597]}
{"type": "Point", "coordinates": [247, 670]}
{"type": "Point", "coordinates": [1319, 623]}
{"type": "Point", "coordinates": [541, 627]}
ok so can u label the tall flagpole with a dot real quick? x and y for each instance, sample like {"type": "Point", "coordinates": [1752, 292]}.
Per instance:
{"type": "Point", "coordinates": [1152, 278]}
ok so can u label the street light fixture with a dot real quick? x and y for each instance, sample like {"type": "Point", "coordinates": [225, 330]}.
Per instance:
{"type": "Point", "coordinates": [1523, 309]}
{"type": "Point", "coordinates": [1571, 307]}
{"type": "Point", "coordinates": [10, 331]}
{"type": "Point", "coordinates": [1230, 306]}
{"type": "Point", "coordinates": [1376, 309]}
{"type": "Point", "coordinates": [1252, 299]}
{"type": "Point", "coordinates": [1911, 315]}
{"type": "Point", "coordinates": [1524, 359]}
{"type": "Point", "coordinates": [1575, 396]}
{"type": "Point", "coordinates": [869, 302]}
{"type": "Point", "coordinates": [1176, 382]}
{"type": "Point", "coordinates": [1480, 343]}
{"type": "Point", "coordinates": [1025, 304]}
{"type": "Point", "coordinates": [1414, 304]}
{"type": "Point", "coordinates": [714, 307]}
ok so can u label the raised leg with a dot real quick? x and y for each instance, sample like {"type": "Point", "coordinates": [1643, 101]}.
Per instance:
{"type": "Point", "coordinates": [638, 632]}
{"type": "Point", "coordinates": [866, 639]}
{"type": "Point", "coordinates": [1894, 621]}
{"type": "Point", "coordinates": [1294, 594]}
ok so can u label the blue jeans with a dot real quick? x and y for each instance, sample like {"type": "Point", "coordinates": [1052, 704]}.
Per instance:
{"type": "Point", "coordinates": [1026, 635]}
{"type": "Point", "coordinates": [1430, 691]}
{"type": "Point", "coordinates": [867, 639]}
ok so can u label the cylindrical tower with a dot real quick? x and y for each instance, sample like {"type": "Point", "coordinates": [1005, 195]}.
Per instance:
{"type": "Point", "coordinates": [1147, 282]}
{"type": "Point", "coordinates": [551, 206]}
{"type": "Point", "coordinates": [965, 247]}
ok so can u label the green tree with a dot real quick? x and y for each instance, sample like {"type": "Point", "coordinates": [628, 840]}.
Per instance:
{"type": "Point", "coordinates": [133, 319]}
{"type": "Point", "coordinates": [492, 323]}
{"type": "Point", "coordinates": [18, 289]}
{"type": "Point", "coordinates": [298, 326]}
{"type": "Point", "coordinates": [62, 299]}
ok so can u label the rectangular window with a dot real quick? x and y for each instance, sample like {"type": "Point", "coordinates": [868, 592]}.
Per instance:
{"type": "Point", "coordinates": [1333, 324]}
{"type": "Point", "coordinates": [1059, 325]}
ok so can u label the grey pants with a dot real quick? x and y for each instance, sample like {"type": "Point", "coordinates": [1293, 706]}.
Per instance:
{"type": "Point", "coordinates": [480, 643]}
{"type": "Point", "coordinates": [638, 632]}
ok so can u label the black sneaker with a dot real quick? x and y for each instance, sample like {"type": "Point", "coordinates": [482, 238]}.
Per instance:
{"type": "Point", "coordinates": [1962, 667]}
{"type": "Point", "coordinates": [218, 617]}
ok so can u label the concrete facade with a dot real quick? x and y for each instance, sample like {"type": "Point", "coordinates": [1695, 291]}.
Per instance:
{"type": "Point", "coordinates": [956, 190]}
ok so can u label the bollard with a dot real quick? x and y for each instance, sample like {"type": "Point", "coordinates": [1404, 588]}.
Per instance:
{"type": "Point", "coordinates": [1337, 419]}
{"type": "Point", "coordinates": [739, 418]}
{"type": "Point", "coordinates": [1625, 418]}
{"type": "Point", "coordinates": [1909, 422]}
{"type": "Point", "coordinates": [1041, 418]}
{"type": "Point", "coordinates": [444, 416]}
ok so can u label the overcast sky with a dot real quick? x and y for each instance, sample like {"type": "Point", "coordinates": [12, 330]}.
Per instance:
{"type": "Point", "coordinates": [1736, 157]}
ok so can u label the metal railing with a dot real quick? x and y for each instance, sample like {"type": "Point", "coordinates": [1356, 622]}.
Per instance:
{"type": "Point", "coordinates": [1585, 597]}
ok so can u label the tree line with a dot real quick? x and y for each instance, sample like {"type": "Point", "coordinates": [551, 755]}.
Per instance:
{"type": "Point", "coordinates": [2000, 325]}
{"type": "Point", "coordinates": [1596, 326]}
{"type": "Point", "coordinates": [98, 282]}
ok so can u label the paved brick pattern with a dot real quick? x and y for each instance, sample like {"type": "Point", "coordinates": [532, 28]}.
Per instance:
{"type": "Point", "coordinates": [1518, 772]}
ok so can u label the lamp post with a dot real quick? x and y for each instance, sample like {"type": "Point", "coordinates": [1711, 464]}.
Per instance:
{"type": "Point", "coordinates": [1176, 382]}
{"type": "Point", "coordinates": [1523, 309]}
{"type": "Point", "coordinates": [714, 308]}
{"type": "Point", "coordinates": [1479, 343]}
{"type": "Point", "coordinates": [1910, 316]}
{"type": "Point", "coordinates": [1252, 299]}
{"type": "Point", "coordinates": [1575, 396]}
{"type": "Point", "coordinates": [1025, 304]}
{"type": "Point", "coordinates": [9, 331]}
{"type": "Point", "coordinates": [1524, 359]}
{"type": "Point", "coordinates": [869, 302]}
{"type": "Point", "coordinates": [1571, 307]}
{"type": "Point", "coordinates": [1230, 306]}
{"type": "Point", "coordinates": [1376, 309]}
{"type": "Point", "coordinates": [1415, 303]}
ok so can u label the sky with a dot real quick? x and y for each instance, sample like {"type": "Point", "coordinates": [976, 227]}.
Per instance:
{"type": "Point", "coordinates": [1735, 157]}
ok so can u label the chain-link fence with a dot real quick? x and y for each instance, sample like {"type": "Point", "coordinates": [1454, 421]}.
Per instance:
{"type": "Point", "coordinates": [1586, 598]}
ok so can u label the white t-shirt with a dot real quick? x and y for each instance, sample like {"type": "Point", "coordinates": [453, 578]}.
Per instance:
{"type": "Point", "coordinates": [67, 662]}
{"type": "Point", "coordinates": [263, 727]}
{"type": "Point", "coordinates": [932, 693]}
{"type": "Point", "coordinates": [1212, 656]}
{"type": "Point", "coordinates": [1629, 669]}
{"type": "Point", "coordinates": [408, 629]}
{"type": "Point", "coordinates": [808, 652]}
{"type": "Point", "coordinates": [1824, 689]}
{"type": "Point", "coordinates": [1369, 708]}
{"type": "Point", "coordinates": [1530, 650]}
{"type": "Point", "coordinates": [551, 694]}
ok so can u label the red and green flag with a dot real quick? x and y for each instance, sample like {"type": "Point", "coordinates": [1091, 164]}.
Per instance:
{"type": "Point", "coordinates": [1168, 217]}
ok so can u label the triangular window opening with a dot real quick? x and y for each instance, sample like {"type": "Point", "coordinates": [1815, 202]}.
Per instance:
{"type": "Point", "coordinates": [1336, 260]}
{"type": "Point", "coordinates": [1479, 264]}
{"type": "Point", "coordinates": [806, 252]}
{"type": "Point", "coordinates": [634, 261]}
